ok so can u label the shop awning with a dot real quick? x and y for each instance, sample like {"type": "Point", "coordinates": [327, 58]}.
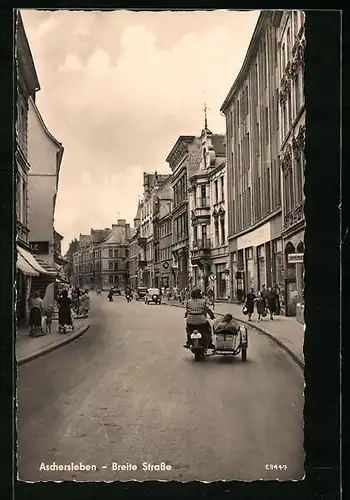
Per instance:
{"type": "Point", "coordinates": [30, 259]}
{"type": "Point", "coordinates": [23, 266]}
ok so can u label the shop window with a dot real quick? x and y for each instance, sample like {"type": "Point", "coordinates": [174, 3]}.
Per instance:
{"type": "Point", "coordinates": [249, 253]}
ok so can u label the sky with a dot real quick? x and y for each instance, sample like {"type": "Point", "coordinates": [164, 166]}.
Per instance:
{"type": "Point", "coordinates": [118, 88]}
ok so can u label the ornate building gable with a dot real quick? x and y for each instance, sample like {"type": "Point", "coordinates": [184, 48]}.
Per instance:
{"type": "Point", "coordinates": [179, 151]}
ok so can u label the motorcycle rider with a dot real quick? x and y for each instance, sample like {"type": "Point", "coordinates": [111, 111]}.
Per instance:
{"type": "Point", "coordinates": [128, 294]}
{"type": "Point", "coordinates": [196, 317]}
{"type": "Point", "coordinates": [110, 295]}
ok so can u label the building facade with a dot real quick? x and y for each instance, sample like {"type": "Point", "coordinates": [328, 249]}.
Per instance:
{"type": "Point", "coordinates": [290, 57]}
{"type": "Point", "coordinates": [151, 184]}
{"type": "Point", "coordinates": [102, 259]}
{"type": "Point", "coordinates": [162, 234]}
{"type": "Point", "coordinates": [133, 249]}
{"type": "Point", "coordinates": [252, 163]}
{"type": "Point", "coordinates": [45, 157]}
{"type": "Point", "coordinates": [208, 243]}
{"type": "Point", "coordinates": [179, 162]}
{"type": "Point", "coordinates": [27, 84]}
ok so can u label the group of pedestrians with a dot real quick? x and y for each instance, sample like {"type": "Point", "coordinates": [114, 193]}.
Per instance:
{"type": "Point", "coordinates": [69, 300]}
{"type": "Point", "coordinates": [267, 302]}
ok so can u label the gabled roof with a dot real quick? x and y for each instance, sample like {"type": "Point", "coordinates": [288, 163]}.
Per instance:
{"type": "Point", "coordinates": [99, 235]}
{"type": "Point", "coordinates": [117, 236]}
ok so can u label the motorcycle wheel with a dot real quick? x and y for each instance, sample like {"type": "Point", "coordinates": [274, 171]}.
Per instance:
{"type": "Point", "coordinates": [244, 354]}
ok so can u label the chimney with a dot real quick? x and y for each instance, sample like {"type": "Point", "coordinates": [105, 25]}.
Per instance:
{"type": "Point", "coordinates": [121, 222]}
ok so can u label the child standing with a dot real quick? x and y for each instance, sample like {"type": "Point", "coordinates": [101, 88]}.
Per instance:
{"type": "Point", "coordinates": [49, 317]}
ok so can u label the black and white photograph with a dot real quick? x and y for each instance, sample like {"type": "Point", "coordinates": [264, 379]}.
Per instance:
{"type": "Point", "coordinates": [159, 162]}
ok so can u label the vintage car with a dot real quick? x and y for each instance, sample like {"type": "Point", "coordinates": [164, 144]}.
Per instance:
{"type": "Point", "coordinates": [116, 290]}
{"type": "Point", "coordinates": [153, 295]}
{"type": "Point", "coordinates": [141, 292]}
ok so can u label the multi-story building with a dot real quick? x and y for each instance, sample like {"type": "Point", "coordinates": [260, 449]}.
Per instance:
{"type": "Point", "coordinates": [45, 154]}
{"type": "Point", "coordinates": [219, 219]}
{"type": "Point", "coordinates": [207, 212]}
{"type": "Point", "coordinates": [135, 250]}
{"type": "Point", "coordinates": [162, 233]}
{"type": "Point", "coordinates": [145, 240]}
{"type": "Point", "coordinates": [27, 84]}
{"type": "Point", "coordinates": [290, 62]}
{"type": "Point", "coordinates": [252, 163]}
{"type": "Point", "coordinates": [179, 162]}
{"type": "Point", "coordinates": [113, 269]}
{"type": "Point", "coordinates": [102, 257]}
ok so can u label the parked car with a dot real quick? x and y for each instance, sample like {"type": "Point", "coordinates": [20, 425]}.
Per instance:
{"type": "Point", "coordinates": [153, 295]}
{"type": "Point", "coordinates": [140, 292]}
{"type": "Point", "coordinates": [116, 290]}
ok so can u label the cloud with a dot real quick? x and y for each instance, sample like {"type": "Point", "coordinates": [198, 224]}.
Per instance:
{"type": "Point", "coordinates": [119, 88]}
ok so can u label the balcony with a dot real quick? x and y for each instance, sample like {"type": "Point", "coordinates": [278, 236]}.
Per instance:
{"type": "Point", "coordinates": [141, 241]}
{"type": "Point", "coordinates": [201, 251]}
{"type": "Point", "coordinates": [294, 217]}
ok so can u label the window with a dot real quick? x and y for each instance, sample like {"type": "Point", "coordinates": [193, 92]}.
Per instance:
{"type": "Point", "coordinates": [288, 42]}
{"type": "Point", "coordinates": [216, 191]}
{"type": "Point", "coordinates": [18, 196]}
{"type": "Point", "coordinates": [257, 141]}
{"type": "Point", "coordinates": [195, 236]}
{"type": "Point", "coordinates": [110, 265]}
{"type": "Point", "coordinates": [110, 253]}
{"type": "Point", "coordinates": [298, 179]}
{"type": "Point", "coordinates": [237, 113]}
{"type": "Point", "coordinates": [223, 236]}
{"type": "Point", "coordinates": [249, 253]}
{"type": "Point", "coordinates": [248, 151]}
{"type": "Point", "coordinates": [116, 266]}
{"type": "Point", "coordinates": [222, 188]}
{"type": "Point", "coordinates": [24, 202]}
{"type": "Point", "coordinates": [267, 125]}
{"type": "Point", "coordinates": [246, 100]}
{"type": "Point", "coordinates": [115, 254]}
{"type": "Point", "coordinates": [216, 227]}
{"type": "Point", "coordinates": [249, 203]}
{"type": "Point", "coordinates": [203, 196]}
{"type": "Point", "coordinates": [204, 235]}
{"type": "Point", "coordinates": [295, 19]}
{"type": "Point", "coordinates": [283, 59]}
{"type": "Point", "coordinates": [290, 110]}
{"type": "Point", "coordinates": [268, 194]}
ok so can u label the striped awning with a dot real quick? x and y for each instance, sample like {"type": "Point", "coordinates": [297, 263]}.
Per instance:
{"type": "Point", "coordinates": [23, 266]}
{"type": "Point", "coordinates": [30, 259]}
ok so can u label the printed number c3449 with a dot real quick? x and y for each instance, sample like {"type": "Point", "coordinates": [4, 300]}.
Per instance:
{"type": "Point", "coordinates": [276, 467]}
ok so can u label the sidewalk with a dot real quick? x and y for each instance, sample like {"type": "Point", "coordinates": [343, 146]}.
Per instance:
{"type": "Point", "coordinates": [285, 331]}
{"type": "Point", "coordinates": [28, 348]}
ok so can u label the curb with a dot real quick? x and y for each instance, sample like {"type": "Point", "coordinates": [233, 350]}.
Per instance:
{"type": "Point", "coordinates": [53, 347]}
{"type": "Point", "coordinates": [260, 330]}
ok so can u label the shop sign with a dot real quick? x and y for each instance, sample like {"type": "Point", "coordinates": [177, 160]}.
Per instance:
{"type": "Point", "coordinates": [295, 258]}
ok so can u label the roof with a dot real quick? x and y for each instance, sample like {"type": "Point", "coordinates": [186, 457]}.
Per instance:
{"type": "Point", "coordinates": [117, 236]}
{"type": "Point", "coordinates": [218, 141]}
{"type": "Point", "coordinates": [253, 45]}
{"type": "Point", "coordinates": [186, 139]}
{"type": "Point", "coordinates": [99, 235]}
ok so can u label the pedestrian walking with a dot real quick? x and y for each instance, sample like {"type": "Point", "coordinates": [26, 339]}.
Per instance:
{"type": "Point", "coordinates": [264, 291]}
{"type": "Point", "coordinates": [36, 315]}
{"type": "Point", "coordinates": [272, 302]}
{"type": "Point", "coordinates": [84, 304]}
{"type": "Point", "coordinates": [249, 303]}
{"type": "Point", "coordinates": [278, 303]}
{"type": "Point", "coordinates": [64, 312]}
{"type": "Point", "coordinates": [261, 306]}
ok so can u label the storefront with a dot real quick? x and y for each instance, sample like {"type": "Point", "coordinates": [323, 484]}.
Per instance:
{"type": "Point", "coordinates": [261, 266]}
{"type": "Point", "coordinates": [294, 279]}
{"type": "Point", "coordinates": [249, 267]}
{"type": "Point", "coordinates": [221, 281]}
